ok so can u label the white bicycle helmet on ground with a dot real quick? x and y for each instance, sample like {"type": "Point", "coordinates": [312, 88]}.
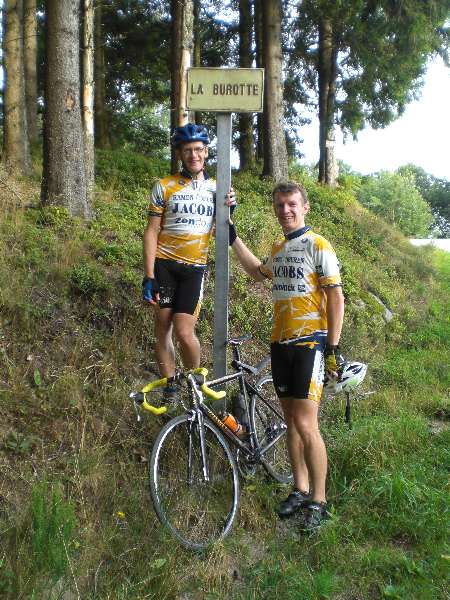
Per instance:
{"type": "Point", "coordinates": [350, 376]}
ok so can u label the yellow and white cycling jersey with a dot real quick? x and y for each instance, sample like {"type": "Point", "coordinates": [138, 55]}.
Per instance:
{"type": "Point", "coordinates": [300, 266]}
{"type": "Point", "coordinates": [187, 211]}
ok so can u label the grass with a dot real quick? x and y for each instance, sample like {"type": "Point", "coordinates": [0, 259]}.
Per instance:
{"type": "Point", "coordinates": [75, 512]}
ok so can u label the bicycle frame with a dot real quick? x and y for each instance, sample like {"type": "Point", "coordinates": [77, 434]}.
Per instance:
{"type": "Point", "coordinates": [198, 505]}
{"type": "Point", "coordinates": [200, 411]}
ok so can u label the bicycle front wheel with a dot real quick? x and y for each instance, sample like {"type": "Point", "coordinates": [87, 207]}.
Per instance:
{"type": "Point", "coordinates": [197, 510]}
{"type": "Point", "coordinates": [268, 425]}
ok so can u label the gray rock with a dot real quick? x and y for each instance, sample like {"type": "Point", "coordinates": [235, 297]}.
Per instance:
{"type": "Point", "coordinates": [387, 314]}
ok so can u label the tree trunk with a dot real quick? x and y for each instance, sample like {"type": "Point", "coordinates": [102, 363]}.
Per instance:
{"type": "Point", "coordinates": [275, 152]}
{"type": "Point", "coordinates": [30, 60]}
{"type": "Point", "coordinates": [182, 46]}
{"type": "Point", "coordinates": [16, 149]}
{"type": "Point", "coordinates": [102, 139]}
{"type": "Point", "coordinates": [88, 96]}
{"type": "Point", "coordinates": [327, 89]}
{"type": "Point", "coordinates": [197, 55]}
{"type": "Point", "coordinates": [260, 64]}
{"type": "Point", "coordinates": [64, 175]}
{"type": "Point", "coordinates": [246, 152]}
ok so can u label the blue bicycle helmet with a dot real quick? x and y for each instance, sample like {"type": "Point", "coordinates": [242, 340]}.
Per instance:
{"type": "Point", "coordinates": [190, 133]}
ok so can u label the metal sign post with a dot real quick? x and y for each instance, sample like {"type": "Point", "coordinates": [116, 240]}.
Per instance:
{"type": "Point", "coordinates": [223, 90]}
{"type": "Point", "coordinates": [222, 241]}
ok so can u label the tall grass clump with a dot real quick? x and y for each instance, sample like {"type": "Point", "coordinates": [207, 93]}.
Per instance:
{"type": "Point", "coordinates": [53, 523]}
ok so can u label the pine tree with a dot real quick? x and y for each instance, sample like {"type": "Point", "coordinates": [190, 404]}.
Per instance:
{"type": "Point", "coordinates": [64, 175]}
{"type": "Point", "coordinates": [275, 153]}
{"type": "Point", "coordinates": [16, 150]}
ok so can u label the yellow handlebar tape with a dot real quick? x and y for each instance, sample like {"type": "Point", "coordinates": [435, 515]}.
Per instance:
{"type": "Point", "coordinates": [154, 384]}
{"type": "Point", "coordinates": [163, 382]}
{"type": "Point", "coordinates": [208, 391]}
{"type": "Point", "coordinates": [148, 388]}
{"type": "Point", "coordinates": [214, 395]}
{"type": "Point", "coordinates": [154, 409]}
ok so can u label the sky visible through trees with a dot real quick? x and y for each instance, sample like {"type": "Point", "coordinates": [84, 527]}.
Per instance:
{"type": "Point", "coordinates": [420, 136]}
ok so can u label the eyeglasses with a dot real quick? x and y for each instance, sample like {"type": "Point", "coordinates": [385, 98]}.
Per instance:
{"type": "Point", "coordinates": [192, 151]}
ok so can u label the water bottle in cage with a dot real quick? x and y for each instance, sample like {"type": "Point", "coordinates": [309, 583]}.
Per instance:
{"type": "Point", "coordinates": [230, 421]}
{"type": "Point", "coordinates": [239, 409]}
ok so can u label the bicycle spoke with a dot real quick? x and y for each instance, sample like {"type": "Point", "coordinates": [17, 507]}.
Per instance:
{"type": "Point", "coordinates": [196, 510]}
{"type": "Point", "coordinates": [270, 429]}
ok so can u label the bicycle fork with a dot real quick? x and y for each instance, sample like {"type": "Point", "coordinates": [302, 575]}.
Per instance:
{"type": "Point", "coordinates": [197, 423]}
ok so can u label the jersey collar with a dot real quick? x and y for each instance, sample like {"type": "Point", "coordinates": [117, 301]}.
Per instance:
{"type": "Point", "coordinates": [297, 233]}
{"type": "Point", "coordinates": [184, 173]}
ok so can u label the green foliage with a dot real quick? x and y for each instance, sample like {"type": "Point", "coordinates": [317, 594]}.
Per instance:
{"type": "Point", "coordinates": [87, 279]}
{"type": "Point", "coordinates": [19, 443]}
{"type": "Point", "coordinates": [288, 581]}
{"type": "Point", "coordinates": [136, 73]}
{"type": "Point", "coordinates": [395, 198]}
{"type": "Point", "coordinates": [142, 130]}
{"type": "Point", "coordinates": [348, 179]}
{"type": "Point", "coordinates": [56, 218]}
{"type": "Point", "coordinates": [53, 523]}
{"type": "Point", "coordinates": [127, 169]}
{"type": "Point", "coordinates": [436, 192]}
{"type": "Point", "coordinates": [379, 54]}
{"type": "Point", "coordinates": [6, 578]}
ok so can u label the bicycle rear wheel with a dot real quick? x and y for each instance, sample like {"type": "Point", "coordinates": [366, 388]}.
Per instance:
{"type": "Point", "coordinates": [268, 424]}
{"type": "Point", "coordinates": [197, 512]}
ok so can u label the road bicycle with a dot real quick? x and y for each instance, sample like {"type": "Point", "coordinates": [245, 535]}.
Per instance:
{"type": "Point", "coordinates": [196, 459]}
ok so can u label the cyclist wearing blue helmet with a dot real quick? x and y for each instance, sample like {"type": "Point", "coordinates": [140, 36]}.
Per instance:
{"type": "Point", "coordinates": [180, 221]}
{"type": "Point", "coordinates": [190, 133]}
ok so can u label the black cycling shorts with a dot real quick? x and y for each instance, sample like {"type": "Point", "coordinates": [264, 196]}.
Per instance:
{"type": "Point", "coordinates": [180, 285]}
{"type": "Point", "coordinates": [297, 371]}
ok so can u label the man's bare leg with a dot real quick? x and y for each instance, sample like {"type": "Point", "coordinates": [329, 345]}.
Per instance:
{"type": "Point", "coordinates": [305, 417]}
{"type": "Point", "coordinates": [295, 448]}
{"type": "Point", "coordinates": [164, 349]}
{"type": "Point", "coordinates": [184, 328]}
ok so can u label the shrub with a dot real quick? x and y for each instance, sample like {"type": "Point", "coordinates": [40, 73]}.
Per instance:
{"type": "Point", "coordinates": [56, 218]}
{"type": "Point", "coordinates": [125, 168]}
{"type": "Point", "coordinates": [395, 198]}
{"type": "Point", "coordinates": [87, 279]}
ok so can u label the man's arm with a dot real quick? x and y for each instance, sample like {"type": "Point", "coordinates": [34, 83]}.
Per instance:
{"type": "Point", "coordinates": [150, 286]}
{"type": "Point", "coordinates": [335, 313]}
{"type": "Point", "coordinates": [150, 244]}
{"type": "Point", "coordinates": [248, 260]}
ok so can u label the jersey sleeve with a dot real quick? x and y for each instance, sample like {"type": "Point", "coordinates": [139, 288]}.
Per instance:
{"type": "Point", "coordinates": [326, 263]}
{"type": "Point", "coordinates": [157, 202]}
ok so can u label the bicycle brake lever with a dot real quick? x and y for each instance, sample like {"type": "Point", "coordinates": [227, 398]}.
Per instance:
{"type": "Point", "coordinates": [137, 405]}
{"type": "Point", "coordinates": [137, 410]}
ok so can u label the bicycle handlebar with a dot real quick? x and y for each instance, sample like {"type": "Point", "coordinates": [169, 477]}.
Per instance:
{"type": "Point", "coordinates": [204, 386]}
{"type": "Point", "coordinates": [147, 389]}
{"type": "Point", "coordinates": [200, 373]}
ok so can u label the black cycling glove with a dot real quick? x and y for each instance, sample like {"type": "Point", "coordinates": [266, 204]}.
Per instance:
{"type": "Point", "coordinates": [232, 233]}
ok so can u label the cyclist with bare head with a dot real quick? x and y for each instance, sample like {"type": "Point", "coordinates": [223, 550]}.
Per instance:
{"type": "Point", "coordinates": [180, 221]}
{"type": "Point", "coordinates": [308, 311]}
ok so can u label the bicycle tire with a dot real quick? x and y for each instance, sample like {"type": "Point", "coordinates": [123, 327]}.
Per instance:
{"type": "Point", "coordinates": [266, 422]}
{"type": "Point", "coordinates": [196, 512]}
